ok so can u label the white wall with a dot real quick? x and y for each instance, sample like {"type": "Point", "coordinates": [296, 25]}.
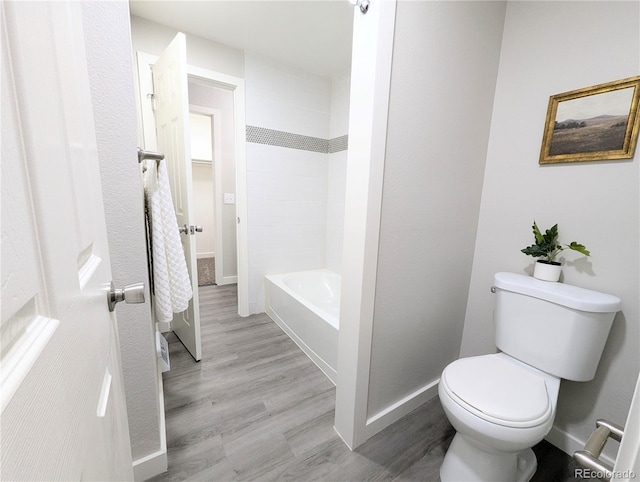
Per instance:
{"type": "Point", "coordinates": [569, 45]}
{"type": "Point", "coordinates": [287, 187]}
{"type": "Point", "coordinates": [439, 115]}
{"type": "Point", "coordinates": [153, 38]}
{"type": "Point", "coordinates": [286, 98]}
{"type": "Point", "coordinates": [203, 208]}
{"type": "Point", "coordinates": [201, 133]}
{"type": "Point", "coordinates": [107, 36]}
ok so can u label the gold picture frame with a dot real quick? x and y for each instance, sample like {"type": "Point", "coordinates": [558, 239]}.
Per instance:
{"type": "Point", "coordinates": [593, 124]}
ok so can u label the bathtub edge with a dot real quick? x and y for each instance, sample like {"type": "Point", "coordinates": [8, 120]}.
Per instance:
{"type": "Point", "coordinates": [320, 363]}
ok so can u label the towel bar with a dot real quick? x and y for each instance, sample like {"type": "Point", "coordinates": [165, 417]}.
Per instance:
{"type": "Point", "coordinates": [142, 155]}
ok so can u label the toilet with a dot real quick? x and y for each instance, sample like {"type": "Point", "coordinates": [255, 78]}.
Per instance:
{"type": "Point", "coordinates": [503, 404]}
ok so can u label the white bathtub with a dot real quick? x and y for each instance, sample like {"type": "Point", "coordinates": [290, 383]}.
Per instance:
{"type": "Point", "coordinates": [306, 305]}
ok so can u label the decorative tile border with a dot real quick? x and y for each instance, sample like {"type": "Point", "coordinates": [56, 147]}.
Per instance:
{"type": "Point", "coordinates": [338, 144]}
{"type": "Point", "coordinates": [260, 135]}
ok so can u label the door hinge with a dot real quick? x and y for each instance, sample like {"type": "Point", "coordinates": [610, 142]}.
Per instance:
{"type": "Point", "coordinates": [152, 97]}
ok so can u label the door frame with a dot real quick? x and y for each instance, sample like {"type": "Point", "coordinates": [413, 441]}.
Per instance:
{"type": "Point", "coordinates": [236, 86]}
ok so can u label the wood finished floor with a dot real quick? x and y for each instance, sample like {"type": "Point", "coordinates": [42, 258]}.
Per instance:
{"type": "Point", "coordinates": [256, 408]}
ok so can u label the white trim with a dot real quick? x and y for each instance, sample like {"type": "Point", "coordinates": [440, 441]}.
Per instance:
{"type": "Point", "coordinates": [87, 270]}
{"type": "Point", "coordinates": [103, 399]}
{"type": "Point", "coordinates": [227, 280]}
{"type": "Point", "coordinates": [370, 85]}
{"type": "Point", "coordinates": [206, 254]}
{"type": "Point", "coordinates": [570, 443]}
{"type": "Point", "coordinates": [157, 462]}
{"type": "Point", "coordinates": [150, 466]}
{"type": "Point", "coordinates": [399, 409]}
{"type": "Point", "coordinates": [24, 353]}
{"type": "Point", "coordinates": [241, 200]}
{"type": "Point", "coordinates": [236, 85]}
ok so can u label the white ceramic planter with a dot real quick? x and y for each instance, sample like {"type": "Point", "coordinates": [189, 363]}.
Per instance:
{"type": "Point", "coordinates": [547, 272]}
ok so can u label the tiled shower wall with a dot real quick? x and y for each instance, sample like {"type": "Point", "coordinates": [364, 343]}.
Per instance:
{"type": "Point", "coordinates": [290, 172]}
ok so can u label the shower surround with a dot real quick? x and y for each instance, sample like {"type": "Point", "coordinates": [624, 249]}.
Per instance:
{"type": "Point", "coordinates": [296, 170]}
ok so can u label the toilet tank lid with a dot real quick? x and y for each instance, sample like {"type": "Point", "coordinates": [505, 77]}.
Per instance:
{"type": "Point", "coordinates": [566, 295]}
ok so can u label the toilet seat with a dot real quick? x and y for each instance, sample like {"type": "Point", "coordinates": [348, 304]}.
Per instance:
{"type": "Point", "coordinates": [498, 390]}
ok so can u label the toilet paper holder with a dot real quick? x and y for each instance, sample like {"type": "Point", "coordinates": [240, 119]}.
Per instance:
{"type": "Point", "coordinates": [588, 457]}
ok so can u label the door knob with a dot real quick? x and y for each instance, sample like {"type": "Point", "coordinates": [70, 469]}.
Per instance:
{"type": "Point", "coordinates": [196, 229]}
{"type": "Point", "coordinates": [184, 229]}
{"type": "Point", "coordinates": [130, 294]}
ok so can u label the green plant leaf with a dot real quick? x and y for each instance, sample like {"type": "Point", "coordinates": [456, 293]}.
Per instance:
{"type": "Point", "coordinates": [546, 244]}
{"type": "Point", "coordinates": [551, 234]}
{"type": "Point", "coordinates": [534, 250]}
{"type": "Point", "coordinates": [537, 234]}
{"type": "Point", "coordinates": [580, 248]}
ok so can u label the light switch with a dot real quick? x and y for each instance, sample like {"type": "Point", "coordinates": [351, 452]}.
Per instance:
{"type": "Point", "coordinates": [229, 198]}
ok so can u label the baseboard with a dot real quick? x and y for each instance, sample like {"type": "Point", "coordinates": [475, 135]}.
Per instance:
{"type": "Point", "coordinates": [207, 254]}
{"type": "Point", "coordinates": [150, 466]}
{"type": "Point", "coordinates": [570, 443]}
{"type": "Point", "coordinates": [227, 280]}
{"type": "Point", "coordinates": [342, 438]}
{"type": "Point", "coordinates": [157, 462]}
{"type": "Point", "coordinates": [399, 409]}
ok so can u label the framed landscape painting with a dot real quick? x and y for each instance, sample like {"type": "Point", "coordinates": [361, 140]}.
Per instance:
{"type": "Point", "coordinates": [593, 124]}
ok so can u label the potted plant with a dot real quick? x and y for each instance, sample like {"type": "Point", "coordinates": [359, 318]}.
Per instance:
{"type": "Point", "coordinates": [546, 246]}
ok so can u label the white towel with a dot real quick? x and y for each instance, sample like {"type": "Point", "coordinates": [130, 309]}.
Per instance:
{"type": "Point", "coordinates": [172, 286]}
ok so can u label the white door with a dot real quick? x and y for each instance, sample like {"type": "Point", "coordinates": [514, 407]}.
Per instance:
{"type": "Point", "coordinates": [170, 85]}
{"type": "Point", "coordinates": [62, 396]}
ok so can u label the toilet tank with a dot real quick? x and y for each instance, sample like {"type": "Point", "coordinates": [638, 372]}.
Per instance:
{"type": "Point", "coordinates": [557, 328]}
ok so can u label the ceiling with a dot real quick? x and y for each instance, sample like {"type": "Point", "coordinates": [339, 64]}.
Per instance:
{"type": "Point", "coordinates": [313, 35]}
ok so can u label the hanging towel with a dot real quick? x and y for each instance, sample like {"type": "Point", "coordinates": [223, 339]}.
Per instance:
{"type": "Point", "coordinates": [172, 286]}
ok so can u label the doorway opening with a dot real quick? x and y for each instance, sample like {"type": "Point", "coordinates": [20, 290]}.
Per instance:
{"type": "Point", "coordinates": [235, 242]}
{"type": "Point", "coordinates": [217, 104]}
{"type": "Point", "coordinates": [201, 126]}
{"type": "Point", "coordinates": [214, 181]}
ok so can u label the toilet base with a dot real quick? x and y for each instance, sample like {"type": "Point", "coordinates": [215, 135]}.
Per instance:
{"type": "Point", "coordinates": [465, 462]}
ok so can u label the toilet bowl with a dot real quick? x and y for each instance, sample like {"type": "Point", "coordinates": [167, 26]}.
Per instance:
{"type": "Point", "coordinates": [500, 407]}
{"type": "Point", "coordinates": [503, 404]}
